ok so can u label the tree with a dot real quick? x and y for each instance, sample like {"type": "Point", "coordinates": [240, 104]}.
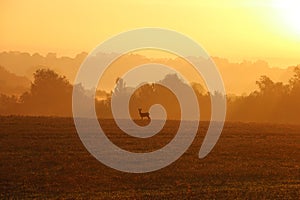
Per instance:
{"type": "Point", "coordinates": [268, 88]}
{"type": "Point", "coordinates": [295, 81]}
{"type": "Point", "coordinates": [120, 87]}
{"type": "Point", "coordinates": [50, 94]}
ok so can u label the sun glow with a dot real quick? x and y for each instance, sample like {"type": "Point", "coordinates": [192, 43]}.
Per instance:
{"type": "Point", "coordinates": [289, 11]}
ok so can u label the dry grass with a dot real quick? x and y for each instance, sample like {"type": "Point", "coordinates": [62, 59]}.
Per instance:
{"type": "Point", "coordinates": [44, 158]}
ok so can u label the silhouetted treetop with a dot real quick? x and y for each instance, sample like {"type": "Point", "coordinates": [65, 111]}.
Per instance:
{"type": "Point", "coordinates": [50, 94]}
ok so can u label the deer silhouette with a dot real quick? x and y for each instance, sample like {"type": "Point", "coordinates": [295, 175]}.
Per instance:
{"type": "Point", "coordinates": [144, 114]}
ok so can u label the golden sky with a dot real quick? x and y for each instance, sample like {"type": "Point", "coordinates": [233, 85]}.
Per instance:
{"type": "Point", "coordinates": [233, 29]}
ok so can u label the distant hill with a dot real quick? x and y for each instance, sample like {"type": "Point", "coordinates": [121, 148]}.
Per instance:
{"type": "Point", "coordinates": [12, 84]}
{"type": "Point", "coordinates": [239, 77]}
{"type": "Point", "coordinates": [25, 64]}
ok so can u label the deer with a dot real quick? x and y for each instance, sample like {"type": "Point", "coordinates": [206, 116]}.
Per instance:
{"type": "Point", "coordinates": [144, 114]}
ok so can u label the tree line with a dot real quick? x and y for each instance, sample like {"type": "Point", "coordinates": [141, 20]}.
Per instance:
{"type": "Point", "coordinates": [50, 94]}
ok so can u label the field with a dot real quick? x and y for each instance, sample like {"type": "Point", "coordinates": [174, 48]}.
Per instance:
{"type": "Point", "coordinates": [44, 158]}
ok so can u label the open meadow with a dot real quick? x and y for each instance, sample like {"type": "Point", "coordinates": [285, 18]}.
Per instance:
{"type": "Point", "coordinates": [43, 157]}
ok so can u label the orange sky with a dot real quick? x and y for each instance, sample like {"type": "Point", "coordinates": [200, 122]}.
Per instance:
{"type": "Point", "coordinates": [234, 29]}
